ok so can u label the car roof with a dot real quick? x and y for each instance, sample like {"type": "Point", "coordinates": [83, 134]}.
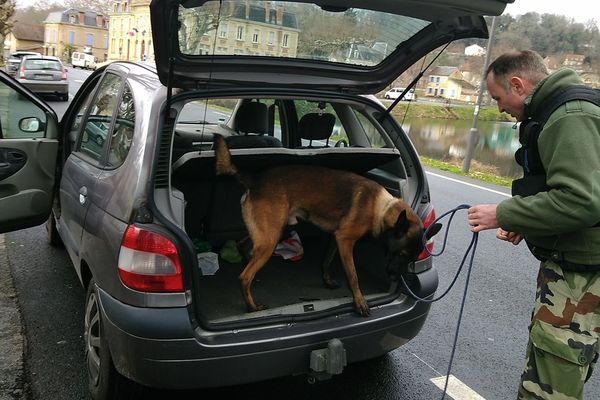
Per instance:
{"type": "Point", "coordinates": [243, 42]}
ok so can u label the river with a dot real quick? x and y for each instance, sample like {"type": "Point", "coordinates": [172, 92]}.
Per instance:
{"type": "Point", "coordinates": [446, 140]}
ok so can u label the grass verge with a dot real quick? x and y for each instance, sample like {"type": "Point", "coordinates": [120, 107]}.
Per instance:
{"type": "Point", "coordinates": [474, 171]}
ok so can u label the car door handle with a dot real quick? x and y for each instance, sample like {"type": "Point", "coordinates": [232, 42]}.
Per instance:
{"type": "Point", "coordinates": [82, 195]}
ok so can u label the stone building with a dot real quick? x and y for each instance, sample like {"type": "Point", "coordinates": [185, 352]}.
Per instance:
{"type": "Point", "coordinates": [75, 30]}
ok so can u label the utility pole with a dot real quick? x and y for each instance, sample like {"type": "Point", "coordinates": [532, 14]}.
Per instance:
{"type": "Point", "coordinates": [474, 132]}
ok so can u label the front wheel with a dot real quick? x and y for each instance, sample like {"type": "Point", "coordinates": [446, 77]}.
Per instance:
{"type": "Point", "coordinates": [104, 382]}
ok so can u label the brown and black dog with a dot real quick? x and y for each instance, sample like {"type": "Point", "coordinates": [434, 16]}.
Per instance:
{"type": "Point", "coordinates": [341, 202]}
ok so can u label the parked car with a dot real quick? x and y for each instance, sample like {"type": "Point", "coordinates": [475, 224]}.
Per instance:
{"type": "Point", "coordinates": [151, 230]}
{"type": "Point", "coordinates": [83, 60]}
{"type": "Point", "coordinates": [394, 93]}
{"type": "Point", "coordinates": [12, 64]}
{"type": "Point", "coordinates": [44, 75]}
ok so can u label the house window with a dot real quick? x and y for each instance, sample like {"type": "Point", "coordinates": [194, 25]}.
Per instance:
{"type": "Point", "coordinates": [437, 79]}
{"type": "Point", "coordinates": [223, 31]}
{"type": "Point", "coordinates": [432, 79]}
{"type": "Point", "coordinates": [271, 38]}
{"type": "Point", "coordinates": [441, 92]}
{"type": "Point", "coordinates": [240, 33]}
{"type": "Point", "coordinates": [89, 39]}
{"type": "Point", "coordinates": [429, 90]}
{"type": "Point", "coordinates": [286, 38]}
{"type": "Point", "coordinates": [71, 37]}
{"type": "Point", "coordinates": [255, 36]}
{"type": "Point", "coordinates": [72, 19]}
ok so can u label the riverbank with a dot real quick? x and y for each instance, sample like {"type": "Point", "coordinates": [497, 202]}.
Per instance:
{"type": "Point", "coordinates": [453, 111]}
{"type": "Point", "coordinates": [482, 172]}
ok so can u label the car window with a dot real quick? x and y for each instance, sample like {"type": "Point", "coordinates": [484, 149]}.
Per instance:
{"type": "Point", "coordinates": [98, 123]}
{"type": "Point", "coordinates": [16, 112]}
{"type": "Point", "coordinates": [47, 65]}
{"type": "Point", "coordinates": [123, 130]}
{"type": "Point", "coordinates": [371, 131]}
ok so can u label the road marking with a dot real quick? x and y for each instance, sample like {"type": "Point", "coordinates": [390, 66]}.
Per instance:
{"type": "Point", "coordinates": [469, 184]}
{"type": "Point", "coordinates": [456, 389]}
{"type": "Point", "coordinates": [78, 81]}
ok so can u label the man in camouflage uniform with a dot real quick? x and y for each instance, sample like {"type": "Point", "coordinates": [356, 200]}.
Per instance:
{"type": "Point", "coordinates": [559, 223]}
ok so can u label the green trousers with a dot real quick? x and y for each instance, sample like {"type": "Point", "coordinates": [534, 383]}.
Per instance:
{"type": "Point", "coordinates": [563, 335]}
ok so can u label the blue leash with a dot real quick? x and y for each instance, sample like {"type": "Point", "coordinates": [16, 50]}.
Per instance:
{"type": "Point", "coordinates": [470, 249]}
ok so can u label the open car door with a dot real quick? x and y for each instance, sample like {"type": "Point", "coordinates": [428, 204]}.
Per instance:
{"type": "Point", "coordinates": [28, 151]}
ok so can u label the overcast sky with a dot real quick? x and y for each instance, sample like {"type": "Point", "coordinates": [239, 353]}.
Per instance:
{"type": "Point", "coordinates": [580, 10]}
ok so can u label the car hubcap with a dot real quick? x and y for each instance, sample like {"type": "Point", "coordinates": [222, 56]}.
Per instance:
{"type": "Point", "coordinates": [92, 338]}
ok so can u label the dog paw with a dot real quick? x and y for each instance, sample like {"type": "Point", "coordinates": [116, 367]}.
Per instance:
{"type": "Point", "coordinates": [362, 308]}
{"type": "Point", "coordinates": [258, 307]}
{"type": "Point", "coordinates": [331, 284]}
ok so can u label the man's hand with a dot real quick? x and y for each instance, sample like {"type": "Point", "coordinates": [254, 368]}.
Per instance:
{"type": "Point", "coordinates": [482, 217]}
{"type": "Point", "coordinates": [513, 237]}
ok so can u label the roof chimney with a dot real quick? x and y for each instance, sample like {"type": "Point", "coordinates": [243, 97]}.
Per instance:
{"type": "Point", "coordinates": [279, 15]}
{"type": "Point", "coordinates": [82, 17]}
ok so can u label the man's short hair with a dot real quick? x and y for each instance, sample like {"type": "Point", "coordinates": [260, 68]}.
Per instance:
{"type": "Point", "coordinates": [526, 64]}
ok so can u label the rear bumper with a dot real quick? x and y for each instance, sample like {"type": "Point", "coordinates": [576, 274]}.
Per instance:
{"type": "Point", "coordinates": [58, 87]}
{"type": "Point", "coordinates": [161, 347]}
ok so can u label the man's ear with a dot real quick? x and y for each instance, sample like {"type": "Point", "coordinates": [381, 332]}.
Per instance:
{"type": "Point", "coordinates": [433, 230]}
{"type": "Point", "coordinates": [518, 85]}
{"type": "Point", "coordinates": [402, 224]}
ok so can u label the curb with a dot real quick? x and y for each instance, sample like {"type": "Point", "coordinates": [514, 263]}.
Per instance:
{"type": "Point", "coordinates": [12, 341]}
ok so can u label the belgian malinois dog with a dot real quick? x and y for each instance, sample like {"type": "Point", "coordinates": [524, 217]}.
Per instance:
{"type": "Point", "coordinates": [343, 203]}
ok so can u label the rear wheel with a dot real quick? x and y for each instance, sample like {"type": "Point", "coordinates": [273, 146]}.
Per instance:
{"type": "Point", "coordinates": [104, 382]}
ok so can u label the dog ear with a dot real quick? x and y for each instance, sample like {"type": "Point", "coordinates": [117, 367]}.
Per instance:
{"type": "Point", "coordinates": [402, 224]}
{"type": "Point", "coordinates": [433, 230]}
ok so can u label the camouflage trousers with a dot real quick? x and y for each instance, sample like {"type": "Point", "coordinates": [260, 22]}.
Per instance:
{"type": "Point", "coordinates": [563, 335]}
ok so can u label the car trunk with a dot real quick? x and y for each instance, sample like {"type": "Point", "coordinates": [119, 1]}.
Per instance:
{"type": "Point", "coordinates": [291, 289]}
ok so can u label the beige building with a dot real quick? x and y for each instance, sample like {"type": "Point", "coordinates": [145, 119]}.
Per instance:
{"type": "Point", "coordinates": [130, 31]}
{"type": "Point", "coordinates": [243, 29]}
{"type": "Point", "coordinates": [449, 83]}
{"type": "Point", "coordinates": [85, 31]}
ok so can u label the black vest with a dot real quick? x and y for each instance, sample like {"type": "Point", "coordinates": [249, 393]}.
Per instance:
{"type": "Point", "coordinates": [527, 156]}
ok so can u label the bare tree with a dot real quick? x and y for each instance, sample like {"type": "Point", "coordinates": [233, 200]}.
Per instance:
{"type": "Point", "coordinates": [7, 10]}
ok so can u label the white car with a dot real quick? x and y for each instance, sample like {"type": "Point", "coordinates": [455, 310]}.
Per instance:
{"type": "Point", "coordinates": [394, 93]}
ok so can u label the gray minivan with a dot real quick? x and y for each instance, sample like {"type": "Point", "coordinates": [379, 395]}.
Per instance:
{"type": "Point", "coordinates": [126, 182]}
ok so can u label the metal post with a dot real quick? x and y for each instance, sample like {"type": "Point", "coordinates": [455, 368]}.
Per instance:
{"type": "Point", "coordinates": [473, 131]}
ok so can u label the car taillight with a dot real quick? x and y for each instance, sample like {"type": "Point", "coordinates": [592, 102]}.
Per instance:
{"type": "Point", "coordinates": [64, 74]}
{"type": "Point", "coordinates": [22, 72]}
{"type": "Point", "coordinates": [426, 224]}
{"type": "Point", "coordinates": [149, 262]}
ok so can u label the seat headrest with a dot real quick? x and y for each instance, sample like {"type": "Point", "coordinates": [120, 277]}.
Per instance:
{"type": "Point", "coordinates": [252, 117]}
{"type": "Point", "coordinates": [315, 126]}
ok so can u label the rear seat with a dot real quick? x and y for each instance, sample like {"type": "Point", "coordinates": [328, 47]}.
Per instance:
{"type": "Point", "coordinates": [252, 124]}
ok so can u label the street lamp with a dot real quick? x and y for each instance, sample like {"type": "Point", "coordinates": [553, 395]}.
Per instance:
{"type": "Point", "coordinates": [473, 132]}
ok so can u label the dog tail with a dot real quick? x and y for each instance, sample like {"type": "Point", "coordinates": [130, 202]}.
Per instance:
{"type": "Point", "coordinates": [223, 163]}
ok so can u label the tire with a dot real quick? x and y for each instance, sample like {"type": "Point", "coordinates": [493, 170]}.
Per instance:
{"type": "Point", "coordinates": [65, 97]}
{"type": "Point", "coordinates": [104, 382]}
{"type": "Point", "coordinates": [52, 233]}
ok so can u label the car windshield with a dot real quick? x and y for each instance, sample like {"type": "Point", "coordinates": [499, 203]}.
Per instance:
{"type": "Point", "coordinates": [51, 65]}
{"type": "Point", "coordinates": [293, 30]}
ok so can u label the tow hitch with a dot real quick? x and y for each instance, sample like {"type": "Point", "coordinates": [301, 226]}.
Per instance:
{"type": "Point", "coordinates": [327, 362]}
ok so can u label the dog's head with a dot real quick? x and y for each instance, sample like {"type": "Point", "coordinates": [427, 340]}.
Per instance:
{"type": "Point", "coordinates": [404, 242]}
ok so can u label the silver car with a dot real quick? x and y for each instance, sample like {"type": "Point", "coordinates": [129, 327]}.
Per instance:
{"type": "Point", "coordinates": [12, 64]}
{"type": "Point", "coordinates": [157, 239]}
{"type": "Point", "coordinates": [44, 75]}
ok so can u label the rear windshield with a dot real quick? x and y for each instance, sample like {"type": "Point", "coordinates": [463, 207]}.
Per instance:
{"type": "Point", "coordinates": [50, 65]}
{"type": "Point", "coordinates": [293, 30]}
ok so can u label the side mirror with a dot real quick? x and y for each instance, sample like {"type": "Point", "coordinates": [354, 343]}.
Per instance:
{"type": "Point", "coordinates": [31, 125]}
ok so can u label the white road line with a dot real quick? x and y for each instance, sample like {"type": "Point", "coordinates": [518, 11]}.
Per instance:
{"type": "Point", "coordinates": [456, 389]}
{"type": "Point", "coordinates": [78, 81]}
{"type": "Point", "coordinates": [468, 184]}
